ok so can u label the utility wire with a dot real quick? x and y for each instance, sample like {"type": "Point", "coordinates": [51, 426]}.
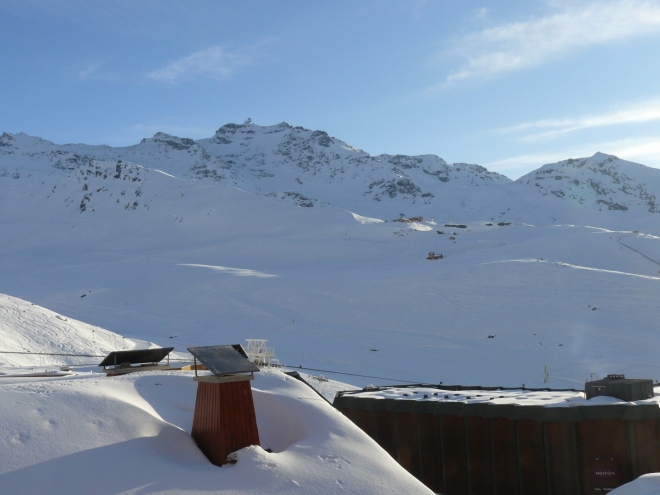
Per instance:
{"type": "Point", "coordinates": [350, 374]}
{"type": "Point", "coordinates": [49, 354]}
{"type": "Point", "coordinates": [185, 360]}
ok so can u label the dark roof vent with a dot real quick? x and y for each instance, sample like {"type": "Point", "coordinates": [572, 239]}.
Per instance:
{"type": "Point", "coordinates": [620, 387]}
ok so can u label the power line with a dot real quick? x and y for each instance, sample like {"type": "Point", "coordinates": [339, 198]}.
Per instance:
{"type": "Point", "coordinates": [350, 374]}
{"type": "Point", "coordinates": [185, 360]}
{"type": "Point", "coordinates": [49, 354]}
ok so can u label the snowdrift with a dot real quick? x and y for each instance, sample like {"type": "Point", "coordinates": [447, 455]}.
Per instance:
{"type": "Point", "coordinates": [31, 329]}
{"type": "Point", "coordinates": [130, 434]}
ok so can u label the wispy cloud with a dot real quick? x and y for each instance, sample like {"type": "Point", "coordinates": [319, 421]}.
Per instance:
{"type": "Point", "coordinates": [520, 45]}
{"type": "Point", "coordinates": [647, 111]}
{"type": "Point", "coordinates": [482, 13]}
{"type": "Point", "coordinates": [86, 72]}
{"type": "Point", "coordinates": [216, 62]}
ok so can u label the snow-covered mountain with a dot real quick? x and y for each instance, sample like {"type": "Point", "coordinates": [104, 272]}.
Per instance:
{"type": "Point", "coordinates": [310, 168]}
{"type": "Point", "coordinates": [602, 181]}
{"type": "Point", "coordinates": [145, 243]}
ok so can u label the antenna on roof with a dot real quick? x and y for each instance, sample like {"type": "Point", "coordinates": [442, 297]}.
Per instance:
{"type": "Point", "coordinates": [260, 354]}
{"type": "Point", "coordinates": [321, 379]}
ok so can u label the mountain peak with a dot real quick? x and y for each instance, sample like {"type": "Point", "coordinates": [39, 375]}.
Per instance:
{"type": "Point", "coordinates": [603, 156]}
{"type": "Point", "coordinates": [312, 168]}
{"type": "Point", "coordinates": [6, 139]}
{"type": "Point", "coordinates": [600, 181]}
{"type": "Point", "coordinates": [170, 141]}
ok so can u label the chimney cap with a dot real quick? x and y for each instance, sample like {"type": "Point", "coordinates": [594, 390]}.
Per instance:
{"type": "Point", "coordinates": [224, 360]}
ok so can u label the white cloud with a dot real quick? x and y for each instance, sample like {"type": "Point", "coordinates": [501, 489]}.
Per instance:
{"type": "Point", "coordinates": [482, 13]}
{"type": "Point", "coordinates": [87, 71]}
{"type": "Point", "coordinates": [216, 63]}
{"type": "Point", "coordinates": [515, 46]}
{"type": "Point", "coordinates": [647, 111]}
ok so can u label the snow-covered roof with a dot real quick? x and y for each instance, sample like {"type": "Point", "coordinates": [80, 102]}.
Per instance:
{"type": "Point", "coordinates": [521, 397]}
{"type": "Point", "coordinates": [541, 405]}
{"type": "Point", "coordinates": [128, 434]}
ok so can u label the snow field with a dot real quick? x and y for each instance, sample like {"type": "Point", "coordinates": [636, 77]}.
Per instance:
{"type": "Point", "coordinates": [167, 246]}
{"type": "Point", "coordinates": [326, 288]}
{"type": "Point", "coordinates": [130, 435]}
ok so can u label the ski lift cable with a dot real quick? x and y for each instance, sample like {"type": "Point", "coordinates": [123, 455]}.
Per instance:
{"type": "Point", "coordinates": [50, 354]}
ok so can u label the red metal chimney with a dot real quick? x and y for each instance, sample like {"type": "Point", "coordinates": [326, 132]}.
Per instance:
{"type": "Point", "coordinates": [224, 419]}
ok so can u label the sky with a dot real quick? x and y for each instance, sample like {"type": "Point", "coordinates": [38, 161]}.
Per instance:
{"type": "Point", "coordinates": [508, 84]}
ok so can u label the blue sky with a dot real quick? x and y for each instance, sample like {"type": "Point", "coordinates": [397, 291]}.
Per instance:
{"type": "Point", "coordinates": [510, 85]}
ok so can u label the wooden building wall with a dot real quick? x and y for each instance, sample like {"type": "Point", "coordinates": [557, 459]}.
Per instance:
{"type": "Point", "coordinates": [476, 455]}
{"type": "Point", "coordinates": [224, 419]}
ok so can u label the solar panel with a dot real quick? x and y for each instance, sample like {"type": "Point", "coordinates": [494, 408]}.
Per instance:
{"type": "Point", "coordinates": [136, 356]}
{"type": "Point", "coordinates": [223, 359]}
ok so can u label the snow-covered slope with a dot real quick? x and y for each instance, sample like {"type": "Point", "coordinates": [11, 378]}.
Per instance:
{"type": "Point", "coordinates": [26, 327]}
{"type": "Point", "coordinates": [601, 182]}
{"type": "Point", "coordinates": [163, 257]}
{"type": "Point", "coordinates": [310, 168]}
{"type": "Point", "coordinates": [306, 167]}
{"type": "Point", "coordinates": [130, 434]}
{"type": "Point", "coordinates": [648, 484]}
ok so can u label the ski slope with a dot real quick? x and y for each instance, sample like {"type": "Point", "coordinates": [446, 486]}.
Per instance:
{"type": "Point", "coordinates": [31, 329]}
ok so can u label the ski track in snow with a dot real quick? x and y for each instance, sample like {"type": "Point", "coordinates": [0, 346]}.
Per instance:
{"type": "Point", "coordinates": [238, 272]}
{"type": "Point", "coordinates": [165, 173]}
{"type": "Point", "coordinates": [577, 267]}
{"type": "Point", "coordinates": [365, 220]}
{"type": "Point", "coordinates": [625, 232]}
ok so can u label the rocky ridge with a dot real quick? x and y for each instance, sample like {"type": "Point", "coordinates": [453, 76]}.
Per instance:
{"type": "Point", "coordinates": [602, 181]}
{"type": "Point", "coordinates": [310, 168]}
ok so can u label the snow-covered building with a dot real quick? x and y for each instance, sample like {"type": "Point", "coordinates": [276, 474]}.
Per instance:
{"type": "Point", "coordinates": [486, 440]}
